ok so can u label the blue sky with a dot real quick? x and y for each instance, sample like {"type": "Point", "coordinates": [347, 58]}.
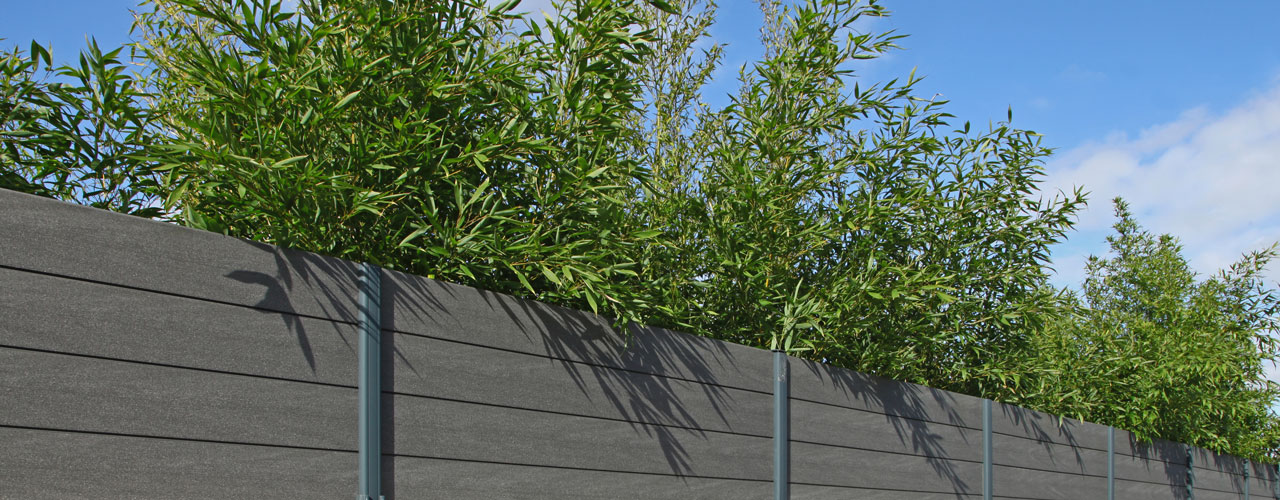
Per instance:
{"type": "Point", "coordinates": [1174, 105]}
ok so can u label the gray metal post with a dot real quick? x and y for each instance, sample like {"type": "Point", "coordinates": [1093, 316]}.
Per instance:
{"type": "Point", "coordinates": [1275, 481]}
{"type": "Point", "coordinates": [1246, 479]}
{"type": "Point", "coordinates": [1111, 463]}
{"type": "Point", "coordinates": [781, 427]}
{"type": "Point", "coordinates": [987, 485]}
{"type": "Point", "coordinates": [370, 382]}
{"type": "Point", "coordinates": [1191, 474]}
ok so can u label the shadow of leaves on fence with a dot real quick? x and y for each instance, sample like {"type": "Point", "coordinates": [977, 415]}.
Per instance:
{"type": "Point", "coordinates": [650, 385]}
{"type": "Point", "coordinates": [911, 410]}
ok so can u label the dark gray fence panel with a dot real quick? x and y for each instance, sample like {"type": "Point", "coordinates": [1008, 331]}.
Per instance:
{"type": "Point", "coordinates": [76, 393]}
{"type": "Point", "coordinates": [50, 236]}
{"type": "Point", "coordinates": [864, 429]}
{"type": "Point", "coordinates": [412, 304]}
{"type": "Point", "coordinates": [837, 466]}
{"type": "Point", "coordinates": [1202, 494]}
{"type": "Point", "coordinates": [1046, 485]}
{"type": "Point", "coordinates": [66, 315]}
{"type": "Point", "coordinates": [1151, 471]}
{"type": "Point", "coordinates": [1157, 450]}
{"type": "Point", "coordinates": [820, 383]}
{"type": "Point", "coordinates": [1219, 481]}
{"type": "Point", "coordinates": [1017, 421]}
{"type": "Point", "coordinates": [1136, 490]}
{"type": "Point", "coordinates": [436, 428]}
{"type": "Point", "coordinates": [1262, 477]}
{"type": "Point", "coordinates": [416, 365]}
{"type": "Point", "coordinates": [69, 465]}
{"type": "Point", "coordinates": [1047, 456]}
{"type": "Point", "coordinates": [1211, 460]}
{"type": "Point", "coordinates": [810, 492]}
{"type": "Point", "coordinates": [411, 478]}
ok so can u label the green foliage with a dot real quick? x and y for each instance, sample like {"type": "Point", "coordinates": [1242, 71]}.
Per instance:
{"type": "Point", "coordinates": [1157, 350]}
{"type": "Point", "coordinates": [842, 222]}
{"type": "Point", "coordinates": [425, 136]}
{"type": "Point", "coordinates": [76, 132]}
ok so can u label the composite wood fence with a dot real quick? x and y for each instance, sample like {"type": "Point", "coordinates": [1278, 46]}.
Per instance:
{"type": "Point", "coordinates": [140, 359]}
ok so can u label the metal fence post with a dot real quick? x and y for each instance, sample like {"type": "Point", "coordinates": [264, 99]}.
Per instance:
{"type": "Point", "coordinates": [1111, 463]}
{"type": "Point", "coordinates": [1191, 474]}
{"type": "Point", "coordinates": [781, 427]}
{"type": "Point", "coordinates": [1246, 479]}
{"type": "Point", "coordinates": [370, 382]}
{"type": "Point", "coordinates": [987, 485]}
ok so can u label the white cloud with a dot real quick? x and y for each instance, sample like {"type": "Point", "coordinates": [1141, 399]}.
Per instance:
{"type": "Point", "coordinates": [1211, 180]}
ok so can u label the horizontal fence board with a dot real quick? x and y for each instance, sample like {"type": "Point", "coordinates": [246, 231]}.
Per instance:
{"type": "Point", "coordinates": [1132, 490]}
{"type": "Point", "coordinates": [1045, 485]}
{"type": "Point", "coordinates": [836, 466]}
{"type": "Point", "coordinates": [1047, 456]}
{"type": "Point", "coordinates": [839, 426]}
{"type": "Point", "coordinates": [58, 391]}
{"type": "Point", "coordinates": [812, 381]}
{"type": "Point", "coordinates": [424, 427]}
{"type": "Point", "coordinates": [1261, 481]}
{"type": "Point", "coordinates": [1219, 495]}
{"type": "Point", "coordinates": [1219, 481]}
{"type": "Point", "coordinates": [417, 305]}
{"type": "Point", "coordinates": [413, 478]}
{"type": "Point", "coordinates": [109, 321]}
{"type": "Point", "coordinates": [811, 492]}
{"type": "Point", "coordinates": [1151, 471]}
{"type": "Point", "coordinates": [60, 238]}
{"type": "Point", "coordinates": [416, 365]}
{"type": "Point", "coordinates": [1021, 422]}
{"type": "Point", "coordinates": [68, 465]}
{"type": "Point", "coordinates": [1156, 450]}
{"type": "Point", "coordinates": [1214, 461]}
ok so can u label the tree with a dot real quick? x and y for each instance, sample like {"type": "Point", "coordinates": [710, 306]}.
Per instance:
{"type": "Point", "coordinates": [842, 221]}
{"type": "Point", "coordinates": [441, 138]}
{"type": "Point", "coordinates": [1155, 349]}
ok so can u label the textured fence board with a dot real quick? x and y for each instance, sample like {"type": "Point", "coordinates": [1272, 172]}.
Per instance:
{"type": "Point", "coordinates": [39, 464]}
{"type": "Point", "coordinates": [64, 392]}
{"type": "Point", "coordinates": [467, 431]}
{"type": "Point", "coordinates": [1021, 422]}
{"type": "Point", "coordinates": [810, 492]}
{"type": "Point", "coordinates": [849, 467]}
{"type": "Point", "coordinates": [66, 315]}
{"type": "Point", "coordinates": [416, 365]}
{"type": "Point", "coordinates": [426, 307]}
{"type": "Point", "coordinates": [1047, 456]}
{"type": "Point", "coordinates": [1133, 490]}
{"type": "Point", "coordinates": [870, 430]}
{"type": "Point", "coordinates": [1219, 481]}
{"type": "Point", "coordinates": [412, 478]}
{"type": "Point", "coordinates": [1151, 471]}
{"type": "Point", "coordinates": [48, 236]}
{"type": "Point", "coordinates": [1045, 485]}
{"type": "Point", "coordinates": [820, 383]}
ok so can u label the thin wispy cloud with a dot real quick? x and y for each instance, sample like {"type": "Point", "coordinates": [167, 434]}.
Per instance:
{"type": "Point", "coordinates": [1211, 179]}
